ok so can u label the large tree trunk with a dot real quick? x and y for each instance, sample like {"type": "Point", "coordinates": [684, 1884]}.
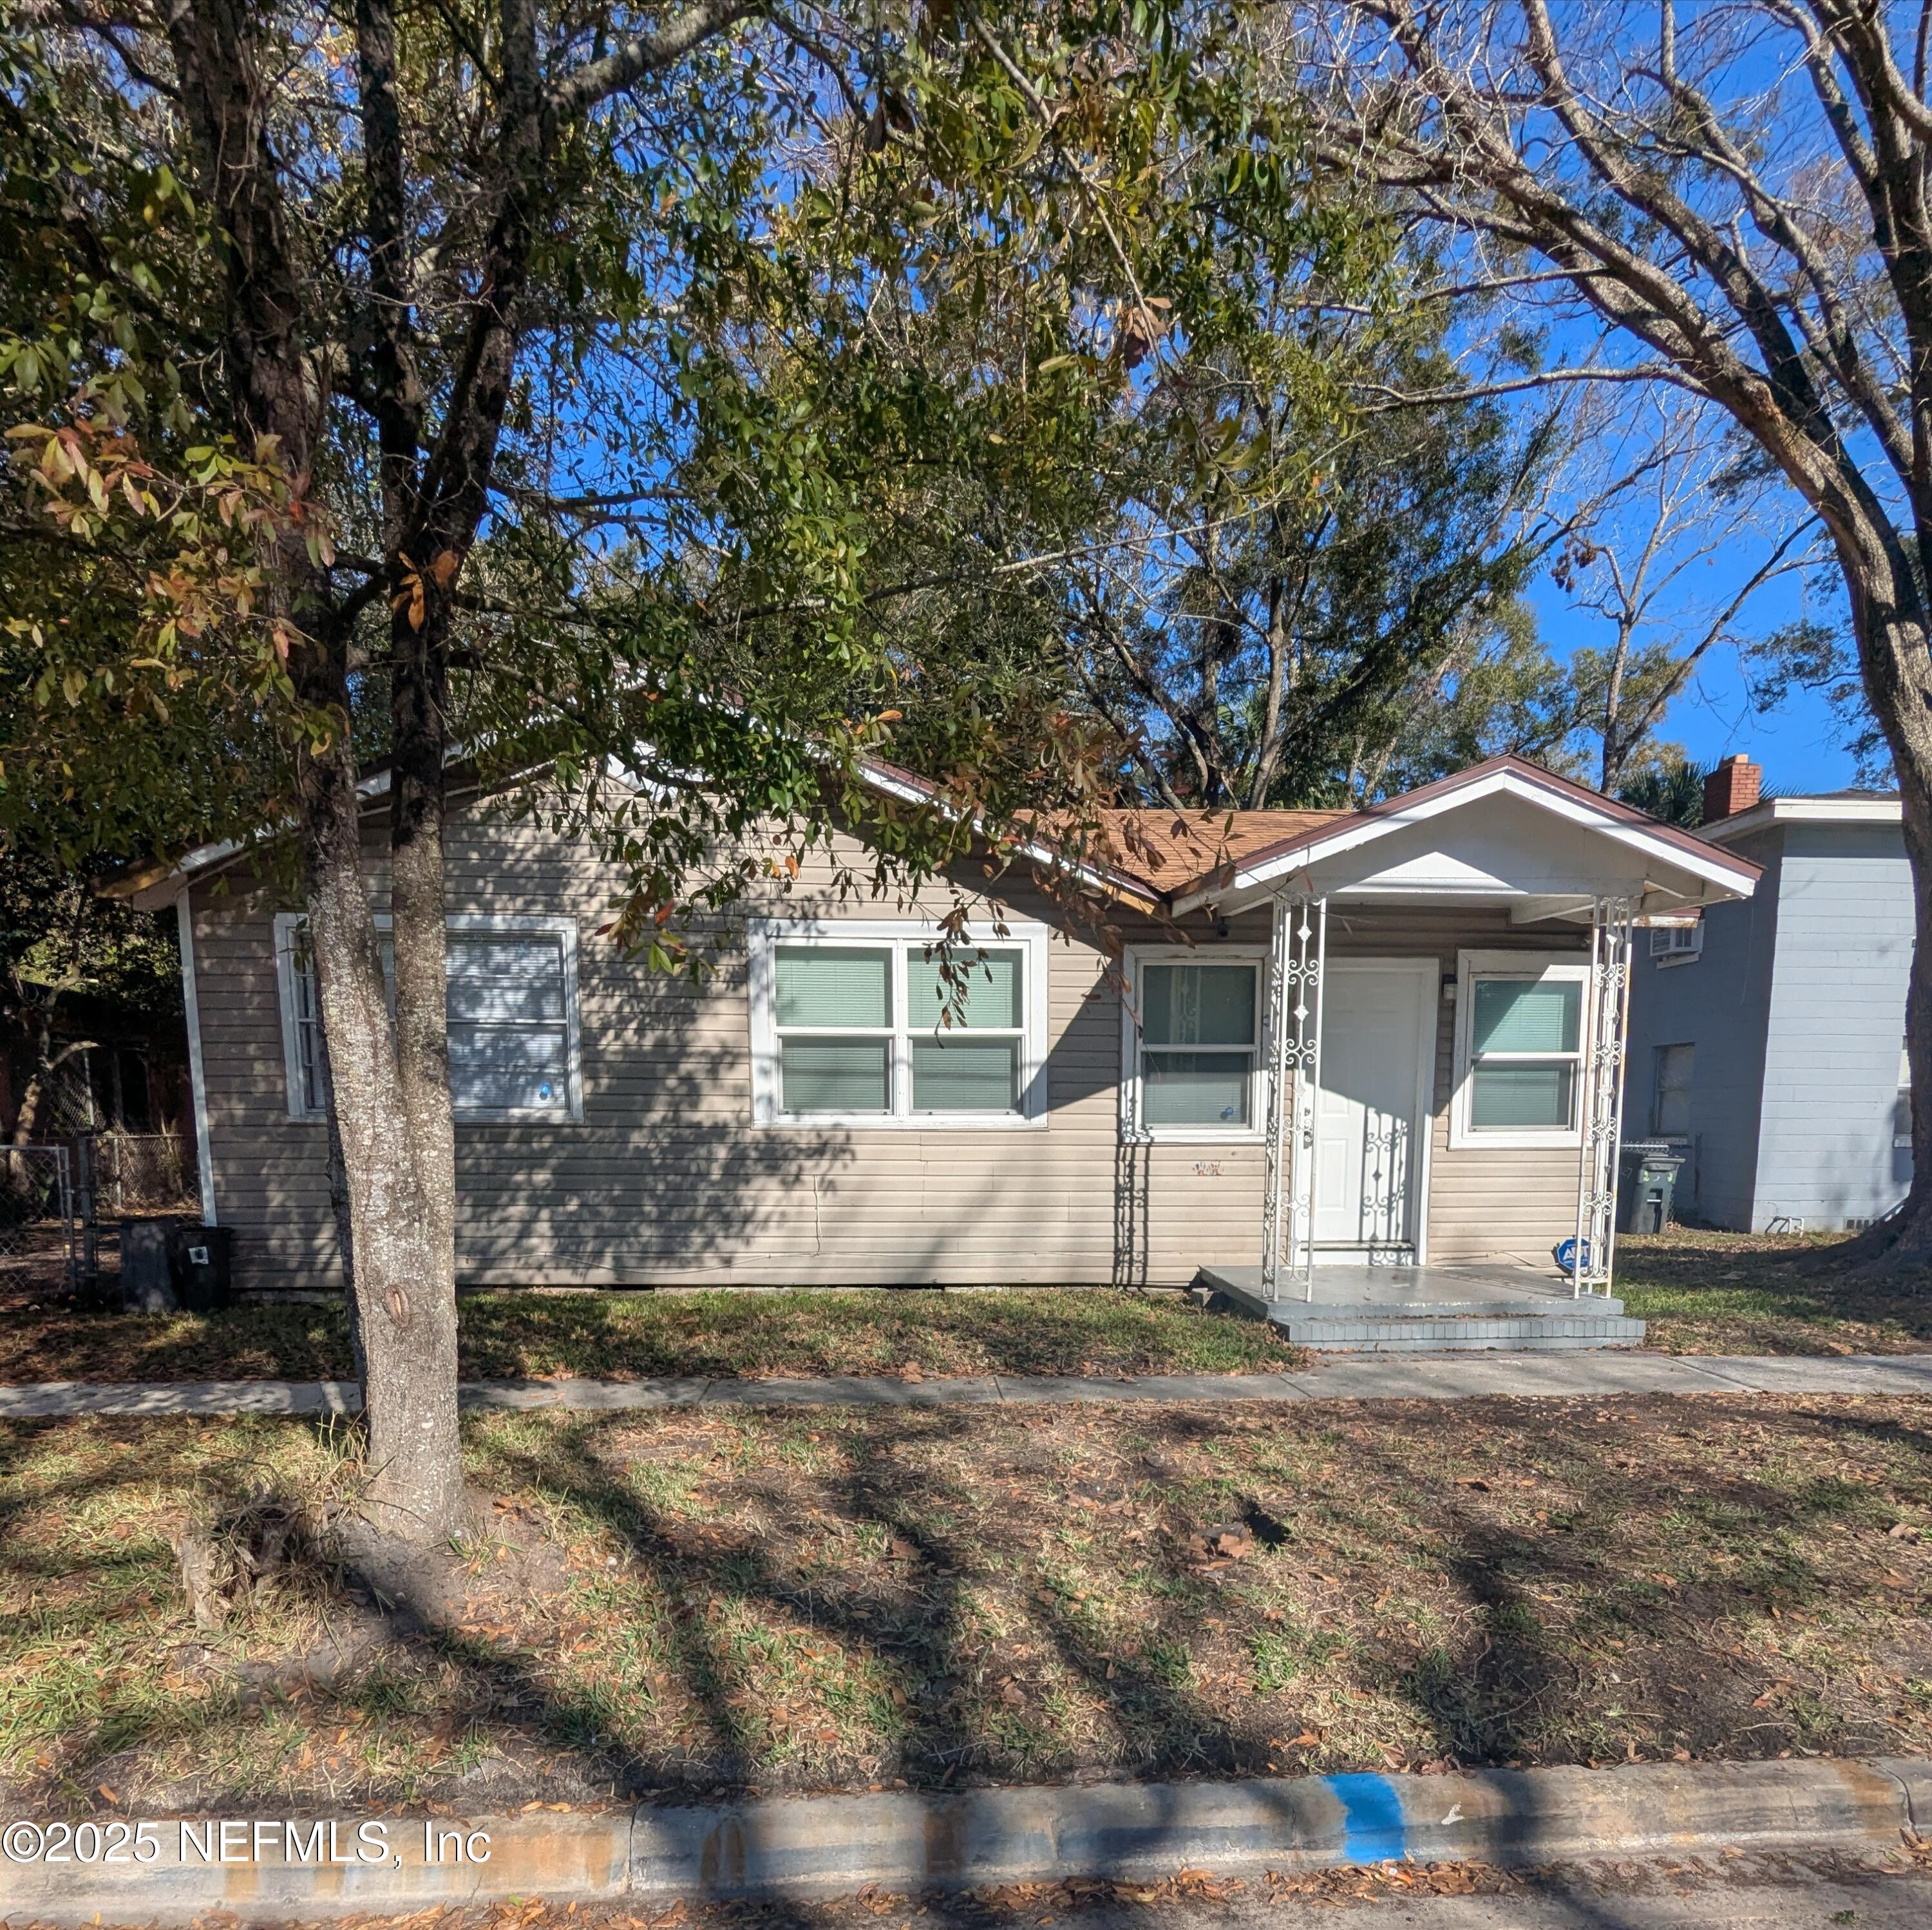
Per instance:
{"type": "Point", "coordinates": [418, 707]}
{"type": "Point", "coordinates": [1906, 1236]}
{"type": "Point", "coordinates": [1893, 636]}
{"type": "Point", "coordinates": [403, 1264]}
{"type": "Point", "coordinates": [1910, 1231]}
{"type": "Point", "coordinates": [338, 1206]}
{"type": "Point", "coordinates": [388, 1078]}
{"type": "Point", "coordinates": [398, 1178]}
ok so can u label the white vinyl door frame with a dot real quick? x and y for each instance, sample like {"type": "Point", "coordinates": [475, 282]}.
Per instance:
{"type": "Point", "coordinates": [1426, 972]}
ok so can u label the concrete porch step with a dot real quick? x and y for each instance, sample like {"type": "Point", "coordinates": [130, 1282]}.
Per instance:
{"type": "Point", "coordinates": [1362, 1333]}
{"type": "Point", "coordinates": [1594, 1306]}
{"type": "Point", "coordinates": [1426, 1310]}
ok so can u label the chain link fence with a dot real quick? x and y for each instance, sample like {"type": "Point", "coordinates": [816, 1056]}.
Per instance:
{"type": "Point", "coordinates": [36, 1218]}
{"type": "Point", "coordinates": [62, 1197]}
{"type": "Point", "coordinates": [145, 1173]}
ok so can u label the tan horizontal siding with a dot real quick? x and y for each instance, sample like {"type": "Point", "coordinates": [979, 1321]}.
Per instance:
{"type": "Point", "coordinates": [1484, 1202]}
{"type": "Point", "coordinates": [665, 1181]}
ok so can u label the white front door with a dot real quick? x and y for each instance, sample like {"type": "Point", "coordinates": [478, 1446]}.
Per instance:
{"type": "Point", "coordinates": [1377, 1041]}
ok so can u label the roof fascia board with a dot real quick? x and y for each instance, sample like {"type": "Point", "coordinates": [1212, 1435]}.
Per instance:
{"type": "Point", "coordinates": [1806, 811]}
{"type": "Point", "coordinates": [1737, 874]}
{"type": "Point", "coordinates": [895, 783]}
{"type": "Point", "coordinates": [206, 858]}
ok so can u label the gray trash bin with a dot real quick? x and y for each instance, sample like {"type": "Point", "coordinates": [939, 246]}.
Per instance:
{"type": "Point", "coordinates": [1646, 1183]}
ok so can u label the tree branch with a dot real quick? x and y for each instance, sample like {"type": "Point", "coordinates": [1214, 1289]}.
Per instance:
{"type": "Point", "coordinates": [625, 66]}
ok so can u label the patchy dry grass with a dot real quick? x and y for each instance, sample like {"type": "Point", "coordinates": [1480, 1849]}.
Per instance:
{"type": "Point", "coordinates": [861, 1331]}
{"type": "Point", "coordinates": [1703, 1293]}
{"type": "Point", "coordinates": [842, 1598]}
{"type": "Point", "coordinates": [1763, 1293]}
{"type": "Point", "coordinates": [720, 1335]}
{"type": "Point", "coordinates": [55, 1340]}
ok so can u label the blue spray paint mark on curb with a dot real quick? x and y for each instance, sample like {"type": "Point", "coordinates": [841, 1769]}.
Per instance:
{"type": "Point", "coordinates": [1372, 1828]}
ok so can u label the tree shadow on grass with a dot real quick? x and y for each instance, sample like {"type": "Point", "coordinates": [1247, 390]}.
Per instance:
{"type": "Point", "coordinates": [905, 1596]}
{"type": "Point", "coordinates": [921, 1688]}
{"type": "Point", "coordinates": [69, 1342]}
{"type": "Point", "coordinates": [961, 1696]}
{"type": "Point", "coordinates": [1587, 1644]}
{"type": "Point", "coordinates": [1755, 1293]}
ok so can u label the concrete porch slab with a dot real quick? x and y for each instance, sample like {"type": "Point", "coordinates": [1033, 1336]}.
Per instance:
{"type": "Point", "coordinates": [1350, 1292]}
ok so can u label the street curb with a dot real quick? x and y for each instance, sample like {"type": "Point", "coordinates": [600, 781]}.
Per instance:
{"type": "Point", "coordinates": [806, 1847]}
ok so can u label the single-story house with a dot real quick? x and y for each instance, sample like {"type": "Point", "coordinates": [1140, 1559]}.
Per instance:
{"type": "Point", "coordinates": [1768, 1035]}
{"type": "Point", "coordinates": [1433, 987]}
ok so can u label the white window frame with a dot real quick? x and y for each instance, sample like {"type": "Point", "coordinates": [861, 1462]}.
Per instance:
{"type": "Point", "coordinates": [1133, 1093]}
{"type": "Point", "coordinates": [1470, 966]}
{"type": "Point", "coordinates": [1676, 945]}
{"type": "Point", "coordinates": [905, 937]}
{"type": "Point", "coordinates": [289, 923]}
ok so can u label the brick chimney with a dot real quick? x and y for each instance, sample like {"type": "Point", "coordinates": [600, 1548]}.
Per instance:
{"type": "Point", "coordinates": [1732, 788]}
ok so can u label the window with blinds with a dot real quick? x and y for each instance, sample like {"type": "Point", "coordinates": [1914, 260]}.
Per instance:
{"type": "Point", "coordinates": [836, 1029]}
{"type": "Point", "coordinates": [967, 1027]}
{"type": "Point", "coordinates": [510, 1010]}
{"type": "Point", "coordinates": [888, 1028]}
{"type": "Point", "coordinates": [1521, 1040]}
{"type": "Point", "coordinates": [1199, 1035]}
{"type": "Point", "coordinates": [509, 1024]}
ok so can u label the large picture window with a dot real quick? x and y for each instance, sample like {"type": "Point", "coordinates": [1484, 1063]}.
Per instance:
{"type": "Point", "coordinates": [511, 1009]}
{"type": "Point", "coordinates": [1520, 1028]}
{"type": "Point", "coordinates": [1192, 1042]}
{"type": "Point", "coordinates": [865, 1023]}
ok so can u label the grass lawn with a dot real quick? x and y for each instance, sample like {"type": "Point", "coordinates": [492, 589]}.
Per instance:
{"type": "Point", "coordinates": [725, 1334]}
{"type": "Point", "coordinates": [698, 1600]}
{"type": "Point", "coordinates": [1721, 1293]}
{"type": "Point", "coordinates": [1759, 1293]}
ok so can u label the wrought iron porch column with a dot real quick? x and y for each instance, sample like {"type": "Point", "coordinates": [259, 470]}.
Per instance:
{"type": "Point", "coordinates": [1293, 1037]}
{"type": "Point", "coordinates": [1608, 1020]}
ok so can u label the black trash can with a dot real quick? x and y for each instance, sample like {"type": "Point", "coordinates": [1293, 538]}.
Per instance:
{"type": "Point", "coordinates": [200, 1258]}
{"type": "Point", "coordinates": [148, 1278]}
{"type": "Point", "coordinates": [1646, 1182]}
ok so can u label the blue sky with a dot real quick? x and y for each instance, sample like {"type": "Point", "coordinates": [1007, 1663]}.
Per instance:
{"type": "Point", "coordinates": [1799, 745]}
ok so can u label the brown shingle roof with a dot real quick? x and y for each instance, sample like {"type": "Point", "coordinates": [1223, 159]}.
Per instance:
{"type": "Point", "coordinates": [1171, 850]}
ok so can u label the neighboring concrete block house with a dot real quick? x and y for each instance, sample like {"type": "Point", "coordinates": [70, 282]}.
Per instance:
{"type": "Point", "coordinates": [1388, 1035]}
{"type": "Point", "coordinates": [1767, 1039]}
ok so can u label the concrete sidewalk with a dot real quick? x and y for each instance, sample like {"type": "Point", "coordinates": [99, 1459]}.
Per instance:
{"type": "Point", "coordinates": [1359, 1377]}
